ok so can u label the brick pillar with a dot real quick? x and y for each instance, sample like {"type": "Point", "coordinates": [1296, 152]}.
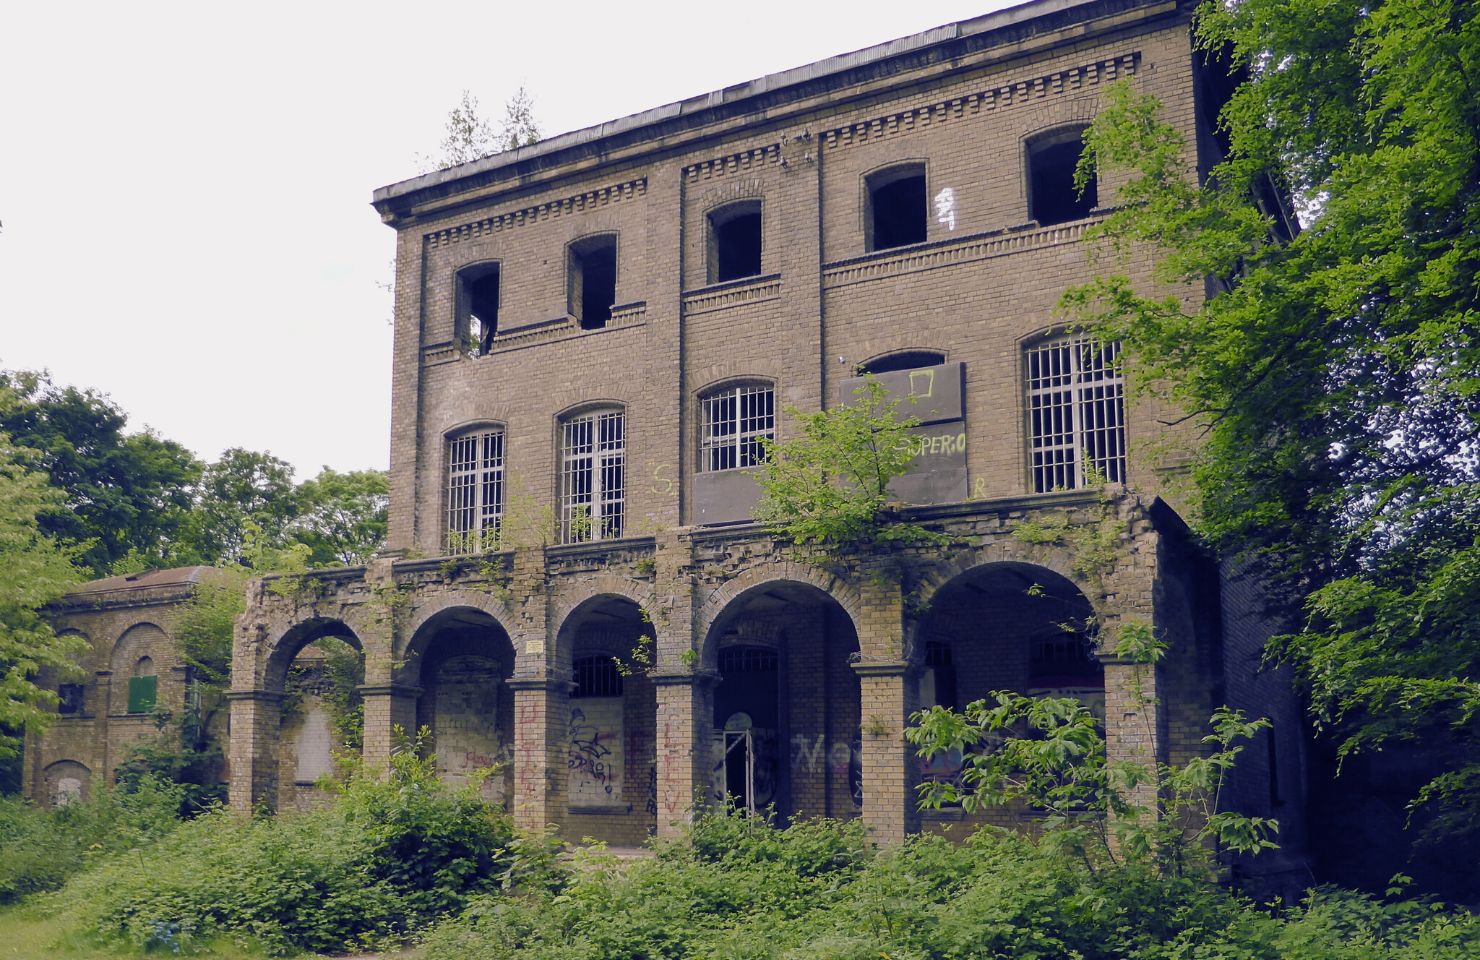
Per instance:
{"type": "Point", "coordinates": [1133, 723]}
{"type": "Point", "coordinates": [684, 745]}
{"type": "Point", "coordinates": [541, 714]}
{"type": "Point", "coordinates": [889, 695]}
{"type": "Point", "coordinates": [387, 706]}
{"type": "Point", "coordinates": [255, 717]}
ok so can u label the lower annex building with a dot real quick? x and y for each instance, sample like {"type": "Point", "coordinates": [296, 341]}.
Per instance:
{"type": "Point", "coordinates": [593, 333]}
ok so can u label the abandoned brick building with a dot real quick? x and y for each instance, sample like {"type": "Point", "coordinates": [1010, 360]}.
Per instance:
{"type": "Point", "coordinates": [593, 332]}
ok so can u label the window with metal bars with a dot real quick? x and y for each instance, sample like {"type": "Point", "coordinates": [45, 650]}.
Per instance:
{"type": "Point", "coordinates": [1076, 413]}
{"type": "Point", "coordinates": [592, 476]}
{"type": "Point", "coordinates": [735, 422]}
{"type": "Point", "coordinates": [596, 676]}
{"type": "Point", "coordinates": [475, 491]}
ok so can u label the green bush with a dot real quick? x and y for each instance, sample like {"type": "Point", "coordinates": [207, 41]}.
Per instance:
{"type": "Point", "coordinates": [736, 890]}
{"type": "Point", "coordinates": [41, 848]}
{"type": "Point", "coordinates": [384, 859]}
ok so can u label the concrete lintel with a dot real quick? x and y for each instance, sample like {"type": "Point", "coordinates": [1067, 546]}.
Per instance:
{"type": "Point", "coordinates": [551, 683]}
{"type": "Point", "coordinates": [885, 668]}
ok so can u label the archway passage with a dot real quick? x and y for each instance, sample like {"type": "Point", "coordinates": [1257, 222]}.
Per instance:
{"type": "Point", "coordinates": [1005, 626]}
{"type": "Point", "coordinates": [462, 659]}
{"type": "Point", "coordinates": [609, 750]}
{"type": "Point", "coordinates": [786, 715]}
{"type": "Point", "coordinates": [318, 669]}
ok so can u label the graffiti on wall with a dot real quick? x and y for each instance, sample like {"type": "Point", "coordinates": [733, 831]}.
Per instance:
{"type": "Point", "coordinates": [817, 756]}
{"type": "Point", "coordinates": [596, 753]}
{"type": "Point", "coordinates": [465, 722]}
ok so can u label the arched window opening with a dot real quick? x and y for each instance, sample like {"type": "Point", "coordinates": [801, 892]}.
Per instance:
{"type": "Point", "coordinates": [593, 476]}
{"type": "Point", "coordinates": [904, 360]}
{"type": "Point", "coordinates": [735, 423]}
{"type": "Point", "coordinates": [1076, 413]}
{"type": "Point", "coordinates": [143, 687]}
{"type": "Point", "coordinates": [592, 280]}
{"type": "Point", "coordinates": [475, 491]}
{"type": "Point", "coordinates": [734, 246]}
{"type": "Point", "coordinates": [896, 212]}
{"type": "Point", "coordinates": [1052, 195]}
{"type": "Point", "coordinates": [477, 304]}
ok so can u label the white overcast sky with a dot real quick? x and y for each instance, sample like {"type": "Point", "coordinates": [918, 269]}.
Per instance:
{"type": "Point", "coordinates": [185, 187]}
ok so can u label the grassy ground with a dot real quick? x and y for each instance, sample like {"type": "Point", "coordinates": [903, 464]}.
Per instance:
{"type": "Point", "coordinates": [25, 934]}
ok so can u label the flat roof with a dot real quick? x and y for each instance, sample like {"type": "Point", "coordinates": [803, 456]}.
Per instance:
{"type": "Point", "coordinates": [771, 83]}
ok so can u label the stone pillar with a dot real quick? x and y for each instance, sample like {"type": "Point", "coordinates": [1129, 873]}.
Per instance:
{"type": "Point", "coordinates": [684, 756]}
{"type": "Point", "coordinates": [255, 716]}
{"type": "Point", "coordinates": [541, 715]}
{"type": "Point", "coordinates": [890, 694]}
{"type": "Point", "coordinates": [387, 706]}
{"type": "Point", "coordinates": [1133, 723]}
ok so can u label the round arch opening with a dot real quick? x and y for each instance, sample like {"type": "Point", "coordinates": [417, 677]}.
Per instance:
{"type": "Point", "coordinates": [318, 668]}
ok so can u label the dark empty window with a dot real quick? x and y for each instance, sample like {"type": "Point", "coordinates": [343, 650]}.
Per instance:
{"type": "Point", "coordinates": [907, 360]}
{"type": "Point", "coordinates": [896, 207]}
{"type": "Point", "coordinates": [1052, 195]}
{"type": "Point", "coordinates": [477, 304]}
{"type": "Point", "coordinates": [70, 698]}
{"type": "Point", "coordinates": [593, 280]}
{"type": "Point", "coordinates": [596, 677]}
{"type": "Point", "coordinates": [735, 241]}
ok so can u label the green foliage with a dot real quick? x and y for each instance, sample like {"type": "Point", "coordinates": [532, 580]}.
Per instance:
{"type": "Point", "coordinates": [385, 858]}
{"type": "Point", "coordinates": [122, 494]}
{"type": "Point", "coordinates": [827, 488]}
{"type": "Point", "coordinates": [738, 889]}
{"type": "Point", "coordinates": [179, 757]}
{"type": "Point", "coordinates": [342, 516]}
{"type": "Point", "coordinates": [35, 569]}
{"type": "Point", "coordinates": [243, 494]}
{"type": "Point", "coordinates": [470, 136]}
{"type": "Point", "coordinates": [40, 849]}
{"type": "Point", "coordinates": [1336, 370]}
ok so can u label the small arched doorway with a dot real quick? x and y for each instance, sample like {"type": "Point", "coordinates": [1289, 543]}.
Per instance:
{"type": "Point", "coordinates": [786, 716]}
{"type": "Point", "coordinates": [462, 658]}
{"type": "Point", "coordinates": [318, 669]}
{"type": "Point", "coordinates": [610, 751]}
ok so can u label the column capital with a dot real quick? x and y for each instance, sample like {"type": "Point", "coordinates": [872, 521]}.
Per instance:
{"type": "Point", "coordinates": [884, 668]}
{"type": "Point", "coordinates": [388, 690]}
{"type": "Point", "coordinates": [546, 682]}
{"type": "Point", "coordinates": [254, 696]}
{"type": "Point", "coordinates": [699, 678]}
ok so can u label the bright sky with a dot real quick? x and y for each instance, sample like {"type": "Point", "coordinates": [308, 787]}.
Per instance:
{"type": "Point", "coordinates": [185, 187]}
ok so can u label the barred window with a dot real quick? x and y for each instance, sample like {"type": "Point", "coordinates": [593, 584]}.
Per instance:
{"type": "Point", "coordinates": [596, 676]}
{"type": "Point", "coordinates": [592, 476]}
{"type": "Point", "coordinates": [475, 491]}
{"type": "Point", "coordinates": [735, 421]}
{"type": "Point", "coordinates": [1076, 413]}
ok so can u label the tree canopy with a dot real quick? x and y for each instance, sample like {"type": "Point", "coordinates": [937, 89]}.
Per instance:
{"type": "Point", "coordinates": [1334, 372]}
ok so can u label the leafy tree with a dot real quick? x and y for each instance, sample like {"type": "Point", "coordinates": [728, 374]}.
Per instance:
{"type": "Point", "coordinates": [1335, 370]}
{"type": "Point", "coordinates": [35, 569]}
{"type": "Point", "coordinates": [244, 489]}
{"type": "Point", "coordinates": [827, 488]}
{"type": "Point", "coordinates": [470, 136]}
{"type": "Point", "coordinates": [342, 516]}
{"type": "Point", "coordinates": [122, 493]}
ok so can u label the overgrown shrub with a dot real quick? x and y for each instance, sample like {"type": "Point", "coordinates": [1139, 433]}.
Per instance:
{"type": "Point", "coordinates": [384, 859]}
{"type": "Point", "coordinates": [736, 890]}
{"type": "Point", "coordinates": [41, 848]}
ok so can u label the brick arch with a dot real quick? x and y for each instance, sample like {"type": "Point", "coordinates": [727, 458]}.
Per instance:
{"type": "Point", "coordinates": [135, 641]}
{"type": "Point", "coordinates": [943, 576]}
{"type": "Point", "coordinates": [572, 604]}
{"type": "Point", "coordinates": [276, 655]}
{"type": "Point", "coordinates": [478, 600]}
{"type": "Point", "coordinates": [772, 574]}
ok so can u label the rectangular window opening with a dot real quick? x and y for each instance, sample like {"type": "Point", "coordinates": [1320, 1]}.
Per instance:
{"type": "Point", "coordinates": [735, 244]}
{"type": "Point", "coordinates": [1052, 196]}
{"type": "Point", "coordinates": [593, 281]}
{"type": "Point", "coordinates": [478, 299]}
{"type": "Point", "coordinates": [896, 208]}
{"type": "Point", "coordinates": [70, 698]}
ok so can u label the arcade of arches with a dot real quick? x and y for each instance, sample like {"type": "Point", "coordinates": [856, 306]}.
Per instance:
{"type": "Point", "coordinates": [778, 690]}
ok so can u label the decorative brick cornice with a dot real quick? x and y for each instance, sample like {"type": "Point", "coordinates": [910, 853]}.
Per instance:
{"type": "Point", "coordinates": [741, 162]}
{"type": "Point", "coordinates": [971, 104]}
{"type": "Point", "coordinates": [949, 253]}
{"type": "Point", "coordinates": [732, 294]}
{"type": "Point", "coordinates": [551, 210]}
